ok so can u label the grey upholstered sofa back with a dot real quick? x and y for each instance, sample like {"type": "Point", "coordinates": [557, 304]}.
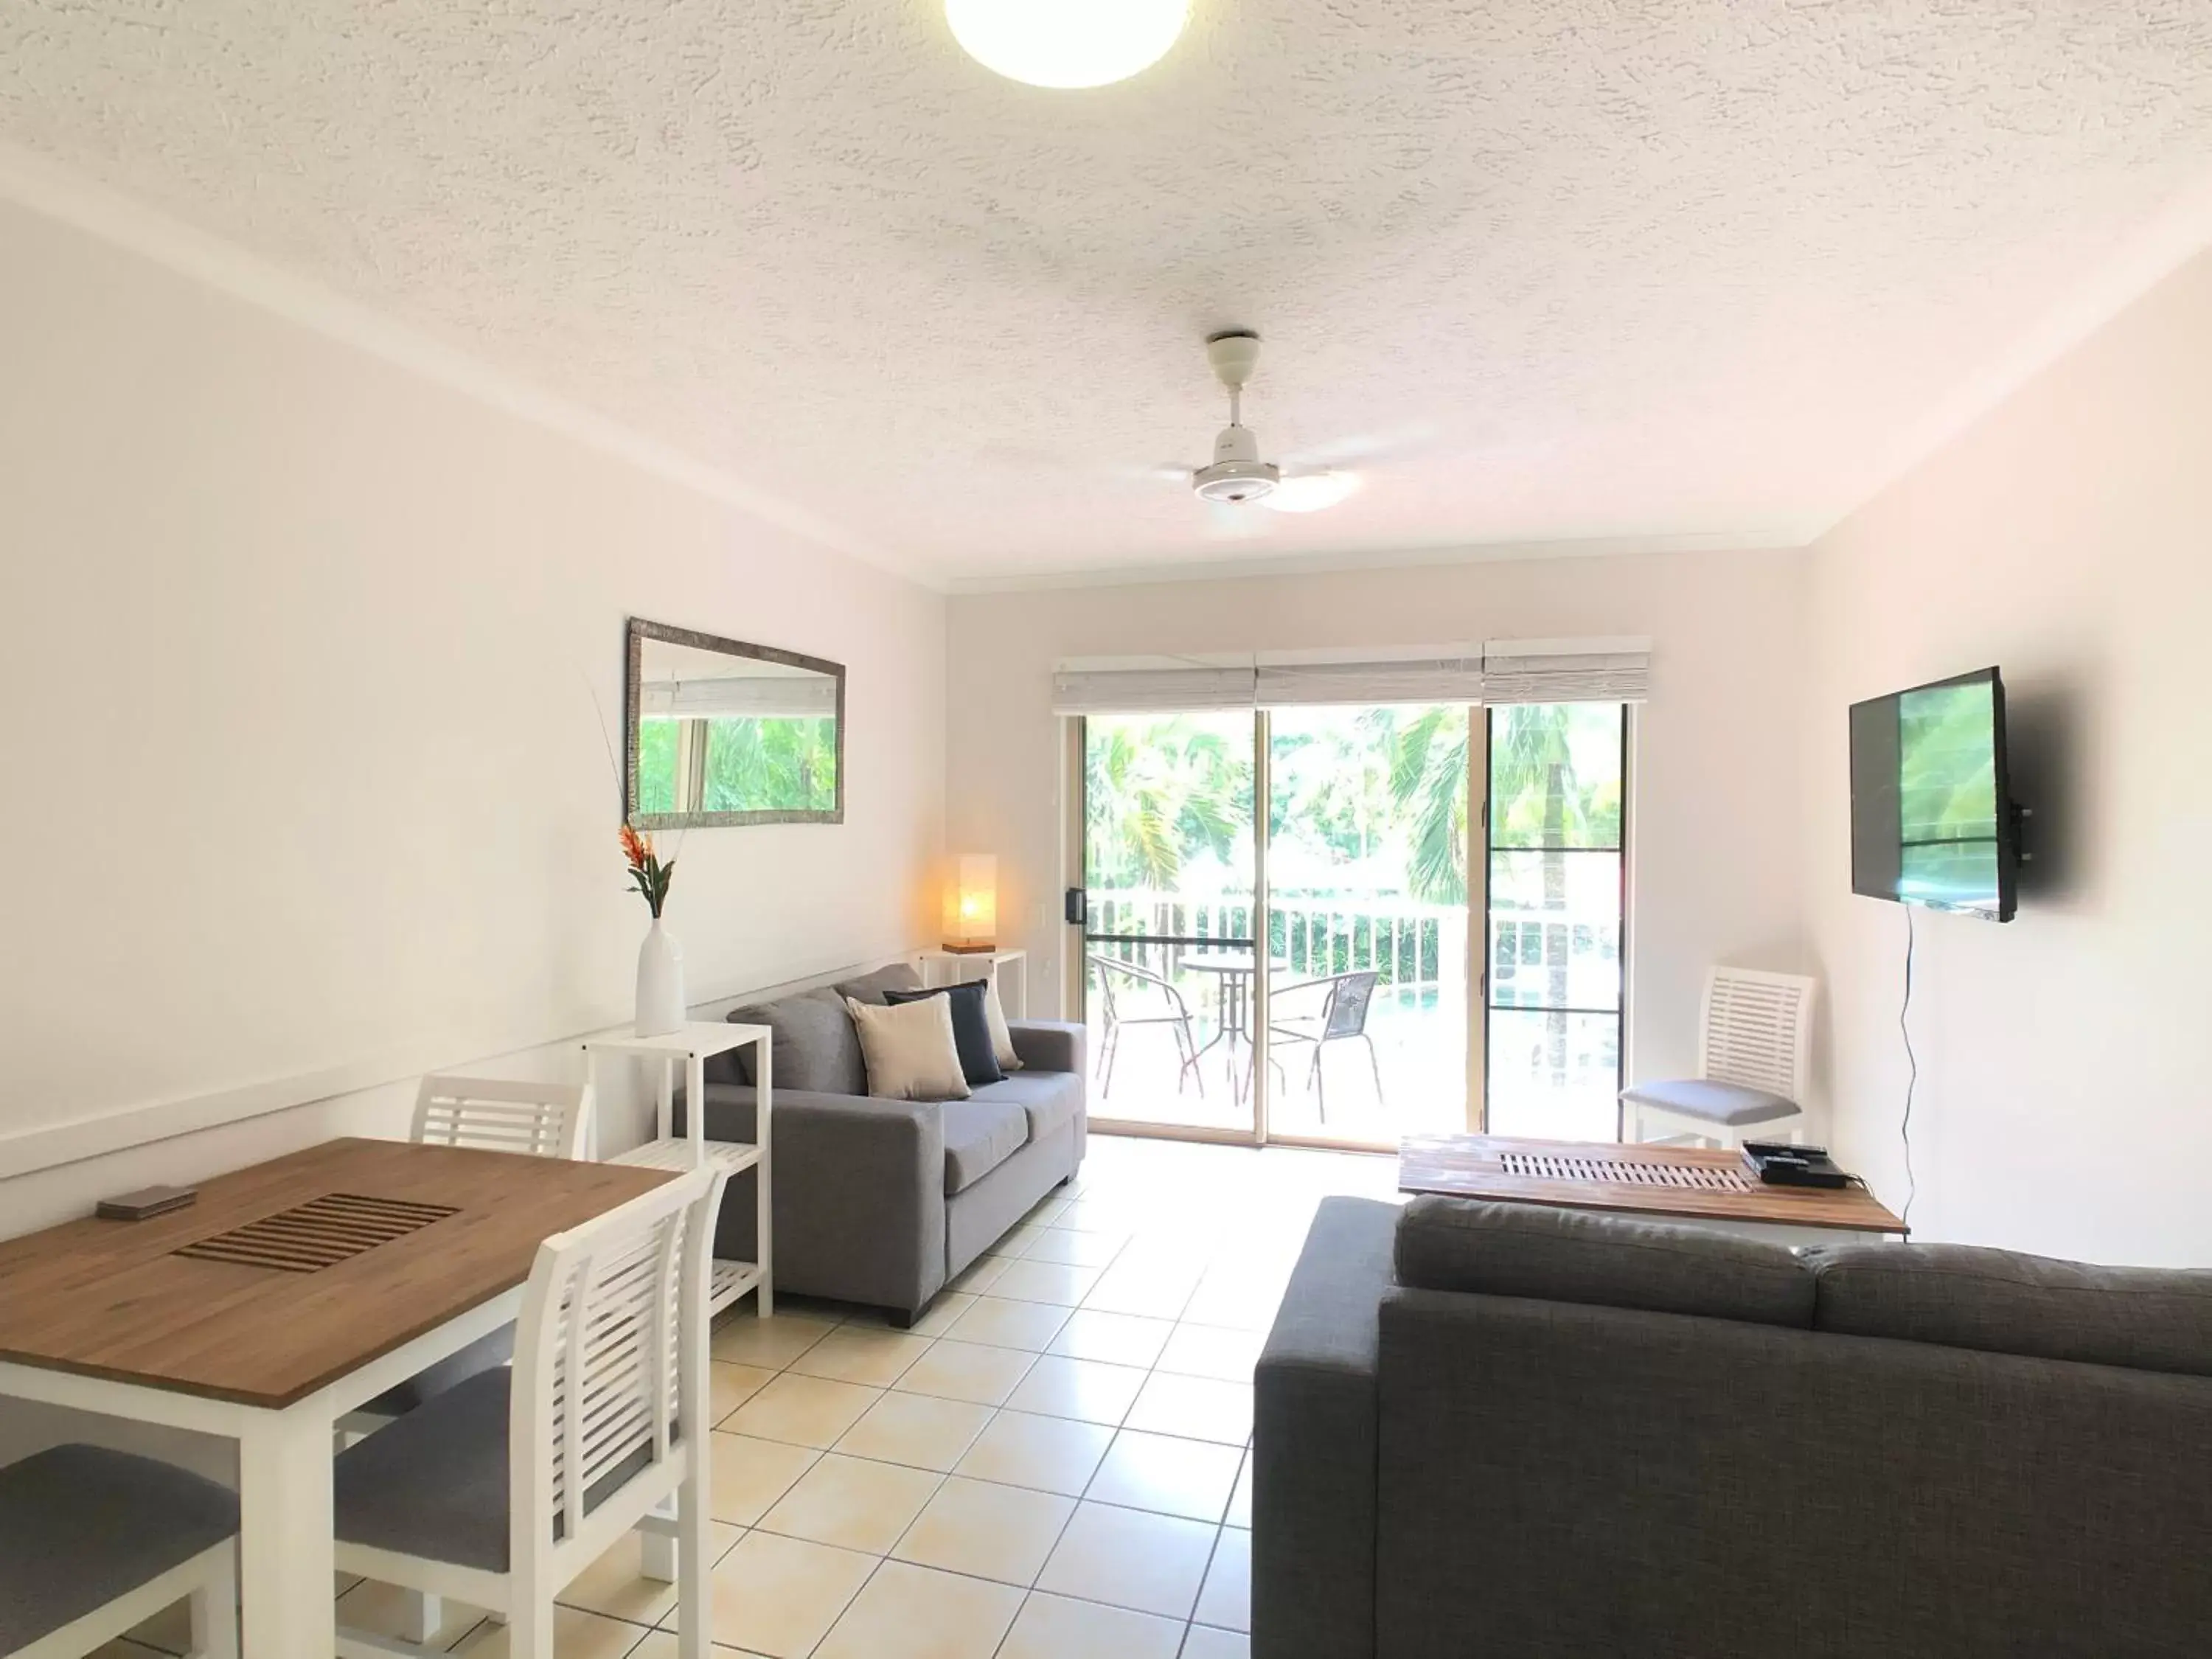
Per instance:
{"type": "Point", "coordinates": [815, 1048]}
{"type": "Point", "coordinates": [1559, 1462]}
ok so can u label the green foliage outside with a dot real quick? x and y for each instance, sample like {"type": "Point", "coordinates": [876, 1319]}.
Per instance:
{"type": "Point", "coordinates": [751, 765]}
{"type": "Point", "coordinates": [1947, 795]}
{"type": "Point", "coordinates": [1379, 792]}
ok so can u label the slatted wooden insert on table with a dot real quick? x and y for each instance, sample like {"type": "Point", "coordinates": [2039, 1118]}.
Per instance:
{"type": "Point", "coordinates": [179, 1302]}
{"type": "Point", "coordinates": [1554, 1166]}
{"type": "Point", "coordinates": [1695, 1181]}
{"type": "Point", "coordinates": [318, 1234]}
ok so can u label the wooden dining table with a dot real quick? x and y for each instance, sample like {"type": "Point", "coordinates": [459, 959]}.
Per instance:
{"type": "Point", "coordinates": [289, 1295]}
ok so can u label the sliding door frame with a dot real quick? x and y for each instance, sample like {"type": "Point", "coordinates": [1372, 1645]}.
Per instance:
{"type": "Point", "coordinates": [1075, 971]}
{"type": "Point", "coordinates": [1479, 1084]}
{"type": "Point", "coordinates": [1075, 975]}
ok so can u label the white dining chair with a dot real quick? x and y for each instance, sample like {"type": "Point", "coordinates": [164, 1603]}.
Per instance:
{"type": "Point", "coordinates": [501, 1491]}
{"type": "Point", "coordinates": [1754, 1051]}
{"type": "Point", "coordinates": [494, 1115]}
{"type": "Point", "coordinates": [94, 1542]}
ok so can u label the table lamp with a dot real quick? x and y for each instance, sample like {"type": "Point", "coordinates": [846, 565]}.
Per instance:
{"type": "Point", "coordinates": [971, 905]}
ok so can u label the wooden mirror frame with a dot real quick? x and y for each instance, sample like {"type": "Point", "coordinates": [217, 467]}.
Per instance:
{"type": "Point", "coordinates": [633, 684]}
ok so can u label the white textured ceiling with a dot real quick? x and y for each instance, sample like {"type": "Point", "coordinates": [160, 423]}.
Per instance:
{"type": "Point", "coordinates": [1627, 268]}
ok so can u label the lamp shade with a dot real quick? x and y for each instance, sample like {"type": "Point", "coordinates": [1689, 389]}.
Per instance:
{"type": "Point", "coordinates": [971, 904]}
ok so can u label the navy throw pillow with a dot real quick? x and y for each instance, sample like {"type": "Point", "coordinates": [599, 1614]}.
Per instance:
{"type": "Point", "coordinates": [971, 1029]}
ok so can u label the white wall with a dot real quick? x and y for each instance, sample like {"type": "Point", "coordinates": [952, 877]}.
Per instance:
{"type": "Point", "coordinates": [307, 787]}
{"type": "Point", "coordinates": [1713, 849]}
{"type": "Point", "coordinates": [2063, 1104]}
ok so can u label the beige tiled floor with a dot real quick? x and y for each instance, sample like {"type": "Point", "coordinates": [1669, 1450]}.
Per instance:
{"type": "Point", "coordinates": [1054, 1464]}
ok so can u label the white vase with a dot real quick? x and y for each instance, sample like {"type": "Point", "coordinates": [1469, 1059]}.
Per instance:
{"type": "Point", "coordinates": [660, 1006]}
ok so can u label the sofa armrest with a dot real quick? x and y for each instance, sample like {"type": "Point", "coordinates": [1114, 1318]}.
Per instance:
{"type": "Point", "coordinates": [1048, 1045]}
{"type": "Point", "coordinates": [859, 1193]}
{"type": "Point", "coordinates": [1314, 1442]}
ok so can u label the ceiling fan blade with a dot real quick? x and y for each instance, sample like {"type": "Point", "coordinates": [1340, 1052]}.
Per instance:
{"type": "Point", "coordinates": [1311, 491]}
{"type": "Point", "coordinates": [1365, 446]}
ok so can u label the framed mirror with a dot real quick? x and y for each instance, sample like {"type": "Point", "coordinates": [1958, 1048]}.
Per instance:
{"type": "Point", "coordinates": [720, 732]}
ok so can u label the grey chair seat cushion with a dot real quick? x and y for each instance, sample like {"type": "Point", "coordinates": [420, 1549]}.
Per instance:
{"type": "Point", "coordinates": [82, 1525]}
{"type": "Point", "coordinates": [979, 1136]}
{"type": "Point", "coordinates": [435, 1483]}
{"type": "Point", "coordinates": [1576, 1255]}
{"type": "Point", "coordinates": [814, 1048]}
{"type": "Point", "coordinates": [1048, 1098]}
{"type": "Point", "coordinates": [1728, 1103]}
{"type": "Point", "coordinates": [2002, 1302]}
{"type": "Point", "coordinates": [480, 1355]}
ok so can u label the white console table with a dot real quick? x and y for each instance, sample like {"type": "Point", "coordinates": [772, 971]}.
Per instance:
{"type": "Point", "coordinates": [955, 967]}
{"type": "Point", "coordinates": [691, 1046]}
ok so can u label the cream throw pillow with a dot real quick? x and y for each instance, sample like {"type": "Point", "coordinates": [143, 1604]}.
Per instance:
{"type": "Point", "coordinates": [1002, 1040]}
{"type": "Point", "coordinates": [910, 1049]}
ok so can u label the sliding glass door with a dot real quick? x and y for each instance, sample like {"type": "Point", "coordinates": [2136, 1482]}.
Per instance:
{"type": "Point", "coordinates": [1346, 972]}
{"type": "Point", "coordinates": [1367, 922]}
{"type": "Point", "coordinates": [1167, 915]}
{"type": "Point", "coordinates": [1556, 833]}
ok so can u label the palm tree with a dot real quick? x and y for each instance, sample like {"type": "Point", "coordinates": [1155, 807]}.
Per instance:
{"type": "Point", "coordinates": [1428, 784]}
{"type": "Point", "coordinates": [1155, 792]}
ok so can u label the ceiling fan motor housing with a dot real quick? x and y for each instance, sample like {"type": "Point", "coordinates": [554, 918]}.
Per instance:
{"type": "Point", "coordinates": [1237, 473]}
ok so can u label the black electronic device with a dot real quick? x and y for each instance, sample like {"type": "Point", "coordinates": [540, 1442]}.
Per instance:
{"type": "Point", "coordinates": [1933, 822]}
{"type": "Point", "coordinates": [1780, 1164]}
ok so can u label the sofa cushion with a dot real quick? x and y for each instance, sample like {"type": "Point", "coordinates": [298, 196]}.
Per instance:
{"type": "Point", "coordinates": [871, 988]}
{"type": "Point", "coordinates": [910, 1049]}
{"type": "Point", "coordinates": [2000, 1302]}
{"type": "Point", "coordinates": [1577, 1255]}
{"type": "Point", "coordinates": [1048, 1098]}
{"type": "Point", "coordinates": [981, 1134]}
{"type": "Point", "coordinates": [814, 1048]}
{"type": "Point", "coordinates": [971, 1026]}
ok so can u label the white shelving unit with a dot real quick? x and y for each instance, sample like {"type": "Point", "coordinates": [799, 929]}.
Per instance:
{"type": "Point", "coordinates": [952, 967]}
{"type": "Point", "coordinates": [690, 1047]}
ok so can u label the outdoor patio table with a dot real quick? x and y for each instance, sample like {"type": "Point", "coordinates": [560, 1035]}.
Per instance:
{"type": "Point", "coordinates": [1233, 970]}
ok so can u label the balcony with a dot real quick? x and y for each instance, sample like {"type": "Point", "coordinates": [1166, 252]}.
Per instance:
{"type": "Point", "coordinates": [1180, 1056]}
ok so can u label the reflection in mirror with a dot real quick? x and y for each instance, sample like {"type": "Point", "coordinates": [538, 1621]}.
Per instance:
{"type": "Point", "coordinates": [720, 732]}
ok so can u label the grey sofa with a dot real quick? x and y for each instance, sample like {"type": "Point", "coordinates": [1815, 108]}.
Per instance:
{"type": "Point", "coordinates": [1498, 1430]}
{"type": "Point", "coordinates": [882, 1201]}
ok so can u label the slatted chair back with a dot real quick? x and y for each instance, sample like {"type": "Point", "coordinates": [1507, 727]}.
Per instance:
{"type": "Point", "coordinates": [1758, 1030]}
{"type": "Point", "coordinates": [609, 1371]}
{"type": "Point", "coordinates": [541, 1119]}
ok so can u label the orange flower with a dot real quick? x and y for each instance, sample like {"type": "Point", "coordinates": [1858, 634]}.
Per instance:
{"type": "Point", "coordinates": [636, 848]}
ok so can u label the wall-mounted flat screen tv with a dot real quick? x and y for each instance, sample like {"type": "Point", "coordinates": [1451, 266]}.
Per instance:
{"type": "Point", "coordinates": [1932, 818]}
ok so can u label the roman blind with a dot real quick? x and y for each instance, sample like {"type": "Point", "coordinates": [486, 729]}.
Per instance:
{"type": "Point", "coordinates": [759, 696]}
{"type": "Point", "coordinates": [1424, 674]}
{"type": "Point", "coordinates": [1566, 670]}
{"type": "Point", "coordinates": [1499, 671]}
{"type": "Point", "coordinates": [1141, 686]}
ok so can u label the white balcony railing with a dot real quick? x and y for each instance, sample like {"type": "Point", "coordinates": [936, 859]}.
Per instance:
{"type": "Point", "coordinates": [1411, 946]}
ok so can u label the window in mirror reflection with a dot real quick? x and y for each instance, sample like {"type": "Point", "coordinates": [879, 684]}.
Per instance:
{"type": "Point", "coordinates": [722, 733]}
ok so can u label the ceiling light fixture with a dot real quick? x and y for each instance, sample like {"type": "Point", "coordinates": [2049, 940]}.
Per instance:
{"type": "Point", "coordinates": [1311, 492]}
{"type": "Point", "coordinates": [1067, 43]}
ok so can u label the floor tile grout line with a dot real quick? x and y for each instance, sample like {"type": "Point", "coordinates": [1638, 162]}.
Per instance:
{"type": "Point", "coordinates": [1116, 1429]}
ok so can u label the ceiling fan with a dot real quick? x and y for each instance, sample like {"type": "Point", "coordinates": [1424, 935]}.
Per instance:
{"type": "Point", "coordinates": [1306, 482]}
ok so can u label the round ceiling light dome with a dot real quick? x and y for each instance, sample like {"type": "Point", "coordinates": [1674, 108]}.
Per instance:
{"type": "Point", "coordinates": [1066, 44]}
